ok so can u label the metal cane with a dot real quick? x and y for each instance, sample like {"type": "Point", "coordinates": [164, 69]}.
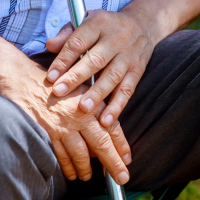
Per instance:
{"type": "Point", "coordinates": [77, 12]}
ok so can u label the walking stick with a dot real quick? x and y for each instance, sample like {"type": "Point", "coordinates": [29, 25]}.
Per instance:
{"type": "Point", "coordinates": [77, 12]}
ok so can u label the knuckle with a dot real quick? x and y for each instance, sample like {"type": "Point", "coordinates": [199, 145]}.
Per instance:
{"type": "Point", "coordinates": [87, 120]}
{"type": "Point", "coordinates": [126, 59]}
{"type": "Point", "coordinates": [103, 143]}
{"type": "Point", "coordinates": [70, 173]}
{"type": "Point", "coordinates": [80, 157]}
{"type": "Point", "coordinates": [65, 137]}
{"type": "Point", "coordinates": [114, 75]}
{"type": "Point", "coordinates": [96, 60]}
{"type": "Point", "coordinates": [98, 93]}
{"type": "Point", "coordinates": [67, 50]}
{"type": "Point", "coordinates": [138, 68]}
{"type": "Point", "coordinates": [117, 135]}
{"type": "Point", "coordinates": [101, 17]}
{"type": "Point", "coordinates": [74, 78]}
{"type": "Point", "coordinates": [117, 165]}
{"type": "Point", "coordinates": [136, 73]}
{"type": "Point", "coordinates": [136, 59]}
{"type": "Point", "coordinates": [80, 154]}
{"type": "Point", "coordinates": [125, 146]}
{"type": "Point", "coordinates": [61, 63]}
{"type": "Point", "coordinates": [115, 130]}
{"type": "Point", "coordinates": [65, 161]}
{"type": "Point", "coordinates": [127, 90]}
{"type": "Point", "coordinates": [76, 45]}
{"type": "Point", "coordinates": [82, 171]}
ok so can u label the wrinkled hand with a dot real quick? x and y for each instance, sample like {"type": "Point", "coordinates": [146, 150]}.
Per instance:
{"type": "Point", "coordinates": [78, 132]}
{"type": "Point", "coordinates": [117, 45]}
{"type": "Point", "coordinates": [71, 131]}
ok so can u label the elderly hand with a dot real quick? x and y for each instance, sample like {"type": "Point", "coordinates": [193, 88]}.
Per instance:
{"type": "Point", "coordinates": [118, 45]}
{"type": "Point", "coordinates": [77, 133]}
{"type": "Point", "coordinates": [72, 132]}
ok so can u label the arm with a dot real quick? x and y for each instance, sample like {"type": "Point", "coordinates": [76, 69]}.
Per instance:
{"type": "Point", "coordinates": [119, 43]}
{"type": "Point", "coordinates": [24, 82]}
{"type": "Point", "coordinates": [160, 18]}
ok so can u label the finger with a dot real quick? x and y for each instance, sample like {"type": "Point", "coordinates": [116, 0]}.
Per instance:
{"type": "Point", "coordinates": [120, 142]}
{"type": "Point", "coordinates": [83, 38]}
{"type": "Point", "coordinates": [95, 60]}
{"type": "Point", "coordinates": [99, 140]}
{"type": "Point", "coordinates": [120, 97]}
{"type": "Point", "coordinates": [109, 79]}
{"type": "Point", "coordinates": [117, 136]}
{"type": "Point", "coordinates": [79, 154]}
{"type": "Point", "coordinates": [64, 160]}
{"type": "Point", "coordinates": [55, 44]}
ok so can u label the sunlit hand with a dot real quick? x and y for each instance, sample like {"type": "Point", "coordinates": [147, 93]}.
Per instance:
{"type": "Point", "coordinates": [117, 45]}
{"type": "Point", "coordinates": [73, 133]}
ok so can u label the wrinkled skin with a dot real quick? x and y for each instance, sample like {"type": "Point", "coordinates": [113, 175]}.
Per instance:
{"type": "Point", "coordinates": [118, 45]}
{"type": "Point", "coordinates": [73, 133]}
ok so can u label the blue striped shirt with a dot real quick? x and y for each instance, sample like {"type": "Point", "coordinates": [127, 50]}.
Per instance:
{"type": "Point", "coordinates": [28, 24]}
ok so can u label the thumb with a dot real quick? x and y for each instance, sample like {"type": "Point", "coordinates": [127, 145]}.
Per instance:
{"type": "Point", "coordinates": [55, 44]}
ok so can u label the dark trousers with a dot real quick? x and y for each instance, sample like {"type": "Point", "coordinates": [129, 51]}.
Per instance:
{"type": "Point", "coordinates": [161, 121]}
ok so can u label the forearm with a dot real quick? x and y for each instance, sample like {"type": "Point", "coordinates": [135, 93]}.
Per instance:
{"type": "Point", "coordinates": [160, 18]}
{"type": "Point", "coordinates": [22, 80]}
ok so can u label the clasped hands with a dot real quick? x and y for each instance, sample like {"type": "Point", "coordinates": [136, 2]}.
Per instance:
{"type": "Point", "coordinates": [120, 49]}
{"type": "Point", "coordinates": [79, 123]}
{"type": "Point", "coordinates": [75, 135]}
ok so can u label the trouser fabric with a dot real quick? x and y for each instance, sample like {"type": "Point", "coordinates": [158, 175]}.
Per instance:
{"type": "Point", "coordinates": [161, 123]}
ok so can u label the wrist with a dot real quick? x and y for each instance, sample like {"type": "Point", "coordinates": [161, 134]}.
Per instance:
{"type": "Point", "coordinates": [159, 19]}
{"type": "Point", "coordinates": [148, 20]}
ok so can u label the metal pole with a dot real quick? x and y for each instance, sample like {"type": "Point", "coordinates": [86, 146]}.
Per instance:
{"type": "Point", "coordinates": [77, 12]}
{"type": "Point", "coordinates": [115, 191]}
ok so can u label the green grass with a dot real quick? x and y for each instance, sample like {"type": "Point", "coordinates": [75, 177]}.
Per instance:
{"type": "Point", "coordinates": [192, 191]}
{"type": "Point", "coordinates": [146, 197]}
{"type": "Point", "coordinates": [195, 25]}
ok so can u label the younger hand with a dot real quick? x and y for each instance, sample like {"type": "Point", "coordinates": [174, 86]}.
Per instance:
{"type": "Point", "coordinates": [117, 45]}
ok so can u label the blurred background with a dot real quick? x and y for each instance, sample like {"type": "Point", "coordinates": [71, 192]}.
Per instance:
{"type": "Point", "coordinates": [195, 25]}
{"type": "Point", "coordinates": [192, 190]}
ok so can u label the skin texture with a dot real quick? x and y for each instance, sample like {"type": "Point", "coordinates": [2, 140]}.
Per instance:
{"type": "Point", "coordinates": [120, 46]}
{"type": "Point", "coordinates": [71, 130]}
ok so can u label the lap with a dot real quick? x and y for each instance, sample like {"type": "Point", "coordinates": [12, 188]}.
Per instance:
{"type": "Point", "coordinates": [28, 166]}
{"type": "Point", "coordinates": [161, 120]}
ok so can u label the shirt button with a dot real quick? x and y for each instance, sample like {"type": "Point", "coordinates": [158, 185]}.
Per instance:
{"type": "Point", "coordinates": [55, 21]}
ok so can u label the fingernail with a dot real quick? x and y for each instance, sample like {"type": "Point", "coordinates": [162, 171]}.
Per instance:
{"type": "Point", "coordinates": [109, 119]}
{"type": "Point", "coordinates": [72, 178]}
{"type": "Point", "coordinates": [127, 159]}
{"type": "Point", "coordinates": [122, 178]}
{"type": "Point", "coordinates": [89, 103]}
{"type": "Point", "coordinates": [61, 89]}
{"type": "Point", "coordinates": [53, 75]}
{"type": "Point", "coordinates": [87, 177]}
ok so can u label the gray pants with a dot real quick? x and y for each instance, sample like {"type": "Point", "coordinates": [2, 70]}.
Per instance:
{"type": "Point", "coordinates": [160, 122]}
{"type": "Point", "coordinates": [28, 166]}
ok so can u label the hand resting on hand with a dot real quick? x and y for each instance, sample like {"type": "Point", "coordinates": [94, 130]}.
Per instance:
{"type": "Point", "coordinates": [72, 132]}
